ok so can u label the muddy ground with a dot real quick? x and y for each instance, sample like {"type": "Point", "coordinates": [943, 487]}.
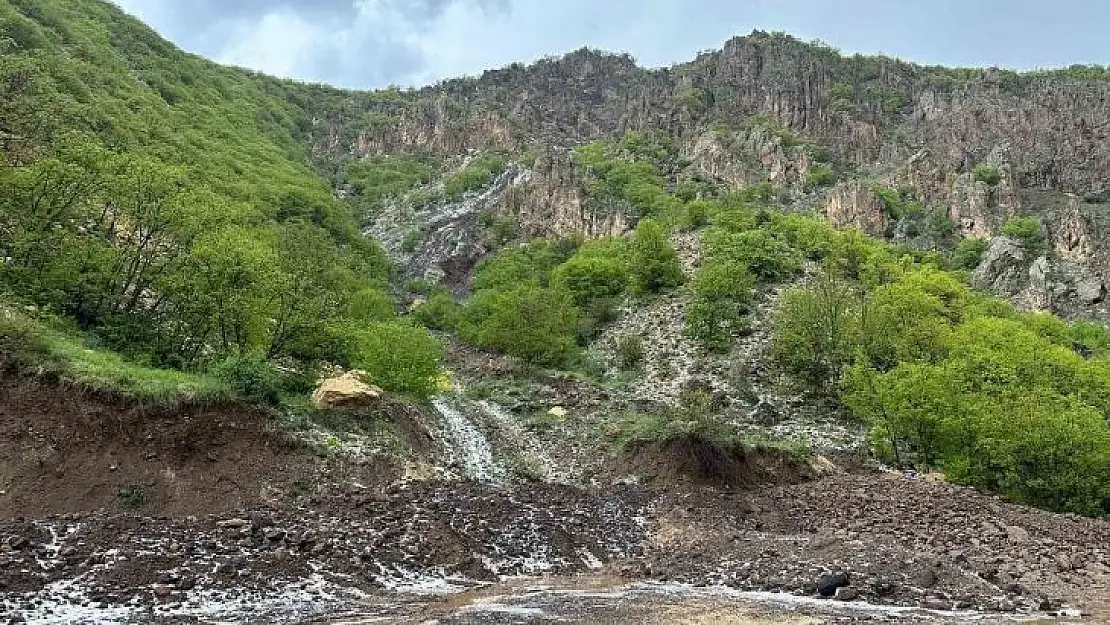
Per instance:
{"type": "Point", "coordinates": [884, 539]}
{"type": "Point", "coordinates": [236, 528]}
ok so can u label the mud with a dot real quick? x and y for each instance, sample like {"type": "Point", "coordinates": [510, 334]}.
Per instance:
{"type": "Point", "coordinates": [65, 451]}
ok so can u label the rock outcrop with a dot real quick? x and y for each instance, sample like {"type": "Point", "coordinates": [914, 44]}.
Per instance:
{"type": "Point", "coordinates": [855, 204]}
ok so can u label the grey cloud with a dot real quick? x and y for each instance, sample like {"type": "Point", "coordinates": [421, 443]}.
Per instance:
{"type": "Point", "coordinates": [373, 43]}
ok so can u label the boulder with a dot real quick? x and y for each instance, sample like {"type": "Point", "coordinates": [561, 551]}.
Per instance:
{"type": "Point", "coordinates": [828, 582]}
{"type": "Point", "coordinates": [1003, 268]}
{"type": "Point", "coordinates": [1090, 291]}
{"type": "Point", "coordinates": [345, 391]}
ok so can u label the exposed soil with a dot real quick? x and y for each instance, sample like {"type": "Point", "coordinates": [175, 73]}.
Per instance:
{"type": "Point", "coordinates": [219, 537]}
{"type": "Point", "coordinates": [65, 451]}
{"type": "Point", "coordinates": [695, 460]}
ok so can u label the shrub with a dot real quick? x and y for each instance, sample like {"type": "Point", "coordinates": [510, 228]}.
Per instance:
{"type": "Point", "coordinates": [252, 378]}
{"type": "Point", "coordinates": [1002, 410]}
{"type": "Point", "coordinates": [411, 241]}
{"type": "Point", "coordinates": [1027, 230]}
{"type": "Point", "coordinates": [721, 295]}
{"type": "Point", "coordinates": [371, 305]}
{"type": "Point", "coordinates": [396, 356]}
{"type": "Point", "coordinates": [890, 198]}
{"type": "Point", "coordinates": [769, 258]}
{"type": "Point", "coordinates": [699, 213]}
{"type": "Point", "coordinates": [478, 173]}
{"type": "Point", "coordinates": [533, 323]}
{"type": "Point", "coordinates": [133, 497]}
{"type": "Point", "coordinates": [589, 278]}
{"type": "Point", "coordinates": [439, 312]}
{"type": "Point", "coordinates": [816, 331]}
{"type": "Point", "coordinates": [630, 350]}
{"type": "Point", "coordinates": [820, 175]}
{"type": "Point", "coordinates": [968, 253]}
{"type": "Point", "coordinates": [986, 173]}
{"type": "Point", "coordinates": [654, 263]}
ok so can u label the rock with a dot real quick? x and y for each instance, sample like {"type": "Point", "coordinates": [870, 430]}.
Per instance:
{"type": "Point", "coordinates": [1017, 534]}
{"type": "Point", "coordinates": [260, 519]}
{"type": "Point", "coordinates": [926, 577]}
{"type": "Point", "coordinates": [884, 586]}
{"type": "Point", "coordinates": [1002, 269]}
{"type": "Point", "coordinates": [1090, 291]}
{"type": "Point", "coordinates": [853, 203]}
{"type": "Point", "coordinates": [557, 411]}
{"type": "Point", "coordinates": [233, 523]}
{"type": "Point", "coordinates": [345, 391]}
{"type": "Point", "coordinates": [846, 593]}
{"type": "Point", "coordinates": [1063, 562]}
{"type": "Point", "coordinates": [827, 583]}
{"type": "Point", "coordinates": [161, 590]}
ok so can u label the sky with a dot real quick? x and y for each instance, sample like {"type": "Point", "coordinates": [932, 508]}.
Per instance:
{"type": "Point", "coordinates": [377, 43]}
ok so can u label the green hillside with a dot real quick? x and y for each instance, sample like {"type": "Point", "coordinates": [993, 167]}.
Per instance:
{"type": "Point", "coordinates": [166, 204]}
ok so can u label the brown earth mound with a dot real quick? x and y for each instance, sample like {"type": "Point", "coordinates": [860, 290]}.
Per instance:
{"type": "Point", "coordinates": [65, 451]}
{"type": "Point", "coordinates": [697, 460]}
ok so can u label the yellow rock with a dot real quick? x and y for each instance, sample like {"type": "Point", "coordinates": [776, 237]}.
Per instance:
{"type": "Point", "coordinates": [345, 391]}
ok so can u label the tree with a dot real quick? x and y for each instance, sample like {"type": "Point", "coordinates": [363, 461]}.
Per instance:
{"type": "Point", "coordinates": [397, 357]}
{"type": "Point", "coordinates": [653, 263]}
{"type": "Point", "coordinates": [533, 323]}
{"type": "Point", "coordinates": [721, 294]}
{"type": "Point", "coordinates": [817, 330]}
{"type": "Point", "coordinates": [592, 278]}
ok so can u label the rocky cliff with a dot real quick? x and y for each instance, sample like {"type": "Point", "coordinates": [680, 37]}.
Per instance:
{"type": "Point", "coordinates": [984, 145]}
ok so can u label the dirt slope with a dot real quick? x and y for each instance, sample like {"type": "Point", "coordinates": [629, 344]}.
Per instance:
{"type": "Point", "coordinates": [64, 451]}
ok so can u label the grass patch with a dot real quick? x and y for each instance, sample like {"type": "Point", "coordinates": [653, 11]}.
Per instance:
{"type": "Point", "coordinates": [36, 347]}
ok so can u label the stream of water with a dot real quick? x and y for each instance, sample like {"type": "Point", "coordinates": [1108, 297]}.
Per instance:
{"type": "Point", "coordinates": [469, 446]}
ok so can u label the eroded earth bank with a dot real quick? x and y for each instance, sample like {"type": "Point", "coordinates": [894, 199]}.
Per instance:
{"type": "Point", "coordinates": [115, 514]}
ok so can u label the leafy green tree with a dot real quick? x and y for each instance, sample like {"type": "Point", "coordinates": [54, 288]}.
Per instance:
{"type": "Point", "coordinates": [533, 323]}
{"type": "Point", "coordinates": [768, 257]}
{"type": "Point", "coordinates": [591, 278]}
{"type": "Point", "coordinates": [397, 356]}
{"type": "Point", "coordinates": [721, 295]}
{"type": "Point", "coordinates": [817, 330]}
{"type": "Point", "coordinates": [653, 262]}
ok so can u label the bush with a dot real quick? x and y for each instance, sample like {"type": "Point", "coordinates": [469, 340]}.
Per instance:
{"type": "Point", "coordinates": [537, 324]}
{"type": "Point", "coordinates": [816, 331]}
{"type": "Point", "coordinates": [820, 175]}
{"type": "Point", "coordinates": [890, 198]}
{"type": "Point", "coordinates": [768, 258]}
{"type": "Point", "coordinates": [411, 240]}
{"type": "Point", "coordinates": [1002, 410]}
{"type": "Point", "coordinates": [371, 305]}
{"type": "Point", "coordinates": [396, 356]}
{"type": "Point", "coordinates": [654, 262]}
{"type": "Point", "coordinates": [590, 278]}
{"type": "Point", "coordinates": [968, 253]}
{"type": "Point", "coordinates": [478, 173]}
{"type": "Point", "coordinates": [439, 312]}
{"type": "Point", "coordinates": [722, 293]}
{"type": "Point", "coordinates": [252, 378]}
{"type": "Point", "coordinates": [699, 213]}
{"type": "Point", "coordinates": [630, 350]}
{"type": "Point", "coordinates": [1027, 230]}
{"type": "Point", "coordinates": [986, 173]}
